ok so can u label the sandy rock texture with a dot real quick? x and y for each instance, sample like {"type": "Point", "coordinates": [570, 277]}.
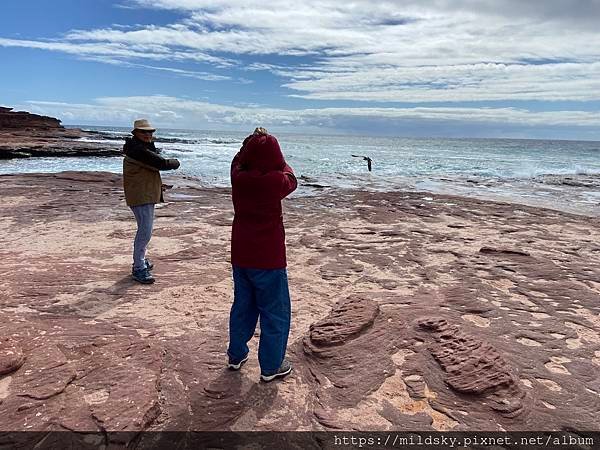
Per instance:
{"type": "Point", "coordinates": [409, 312]}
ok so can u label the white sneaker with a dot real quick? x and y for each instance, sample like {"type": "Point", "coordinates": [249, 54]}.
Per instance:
{"type": "Point", "coordinates": [284, 369]}
{"type": "Point", "coordinates": [233, 366]}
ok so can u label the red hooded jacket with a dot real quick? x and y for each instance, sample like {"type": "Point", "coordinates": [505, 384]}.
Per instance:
{"type": "Point", "coordinates": [260, 179]}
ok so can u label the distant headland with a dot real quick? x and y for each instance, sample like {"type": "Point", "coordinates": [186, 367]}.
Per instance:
{"type": "Point", "coordinates": [23, 135]}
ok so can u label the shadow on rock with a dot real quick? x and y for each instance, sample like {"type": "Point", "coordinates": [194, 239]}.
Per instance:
{"type": "Point", "coordinates": [98, 301]}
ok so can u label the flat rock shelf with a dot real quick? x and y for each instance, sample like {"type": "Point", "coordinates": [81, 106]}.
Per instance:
{"type": "Point", "coordinates": [410, 311]}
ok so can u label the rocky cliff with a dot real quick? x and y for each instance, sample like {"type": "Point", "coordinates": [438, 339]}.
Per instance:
{"type": "Point", "coordinates": [23, 135]}
{"type": "Point", "coordinates": [23, 120]}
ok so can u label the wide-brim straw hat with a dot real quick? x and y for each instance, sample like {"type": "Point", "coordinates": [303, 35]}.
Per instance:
{"type": "Point", "coordinates": [142, 124]}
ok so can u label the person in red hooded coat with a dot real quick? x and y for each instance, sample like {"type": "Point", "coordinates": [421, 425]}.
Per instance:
{"type": "Point", "coordinates": [260, 179]}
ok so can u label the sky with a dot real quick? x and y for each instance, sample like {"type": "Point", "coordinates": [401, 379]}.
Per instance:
{"type": "Point", "coordinates": [416, 68]}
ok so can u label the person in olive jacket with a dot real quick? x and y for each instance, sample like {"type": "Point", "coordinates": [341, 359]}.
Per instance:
{"type": "Point", "coordinates": [260, 179]}
{"type": "Point", "coordinates": [143, 189]}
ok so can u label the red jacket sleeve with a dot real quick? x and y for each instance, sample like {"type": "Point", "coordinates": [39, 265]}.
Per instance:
{"type": "Point", "coordinates": [235, 166]}
{"type": "Point", "coordinates": [290, 183]}
{"type": "Point", "coordinates": [280, 182]}
{"type": "Point", "coordinates": [239, 176]}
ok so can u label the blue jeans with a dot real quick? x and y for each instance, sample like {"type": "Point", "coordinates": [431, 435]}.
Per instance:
{"type": "Point", "coordinates": [260, 293]}
{"type": "Point", "coordinates": [144, 216]}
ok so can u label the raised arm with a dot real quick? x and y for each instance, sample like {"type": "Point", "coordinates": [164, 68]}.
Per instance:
{"type": "Point", "coordinates": [148, 157]}
{"type": "Point", "coordinates": [236, 167]}
{"type": "Point", "coordinates": [276, 184]}
{"type": "Point", "coordinates": [290, 183]}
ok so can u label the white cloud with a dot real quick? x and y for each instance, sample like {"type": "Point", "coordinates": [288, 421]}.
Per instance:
{"type": "Point", "coordinates": [174, 112]}
{"type": "Point", "coordinates": [471, 82]}
{"type": "Point", "coordinates": [186, 73]}
{"type": "Point", "coordinates": [385, 51]}
{"type": "Point", "coordinates": [582, 11]}
{"type": "Point", "coordinates": [120, 50]}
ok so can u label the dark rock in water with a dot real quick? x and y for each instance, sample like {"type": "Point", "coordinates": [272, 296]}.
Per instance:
{"type": "Point", "coordinates": [57, 149]}
{"type": "Point", "coordinates": [312, 182]}
{"type": "Point", "coordinates": [577, 180]}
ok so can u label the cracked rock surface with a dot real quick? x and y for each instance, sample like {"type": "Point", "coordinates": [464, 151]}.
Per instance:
{"type": "Point", "coordinates": [437, 313]}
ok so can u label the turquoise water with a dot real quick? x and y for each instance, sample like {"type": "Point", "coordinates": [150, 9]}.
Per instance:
{"type": "Point", "coordinates": [558, 174]}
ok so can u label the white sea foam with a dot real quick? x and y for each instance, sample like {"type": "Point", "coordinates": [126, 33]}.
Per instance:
{"type": "Point", "coordinates": [545, 171]}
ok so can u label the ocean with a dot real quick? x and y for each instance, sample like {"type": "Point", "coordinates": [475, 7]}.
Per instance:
{"type": "Point", "coordinates": [563, 175]}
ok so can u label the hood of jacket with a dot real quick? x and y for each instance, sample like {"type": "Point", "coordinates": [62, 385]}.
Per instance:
{"type": "Point", "coordinates": [262, 153]}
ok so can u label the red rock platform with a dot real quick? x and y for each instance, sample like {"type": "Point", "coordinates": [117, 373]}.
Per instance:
{"type": "Point", "coordinates": [409, 312]}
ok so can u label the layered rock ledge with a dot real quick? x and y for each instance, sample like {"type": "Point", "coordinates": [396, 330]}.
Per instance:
{"type": "Point", "coordinates": [410, 311]}
{"type": "Point", "coordinates": [25, 135]}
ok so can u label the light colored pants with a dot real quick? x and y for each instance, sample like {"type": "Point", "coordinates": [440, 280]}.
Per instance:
{"type": "Point", "coordinates": [144, 216]}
